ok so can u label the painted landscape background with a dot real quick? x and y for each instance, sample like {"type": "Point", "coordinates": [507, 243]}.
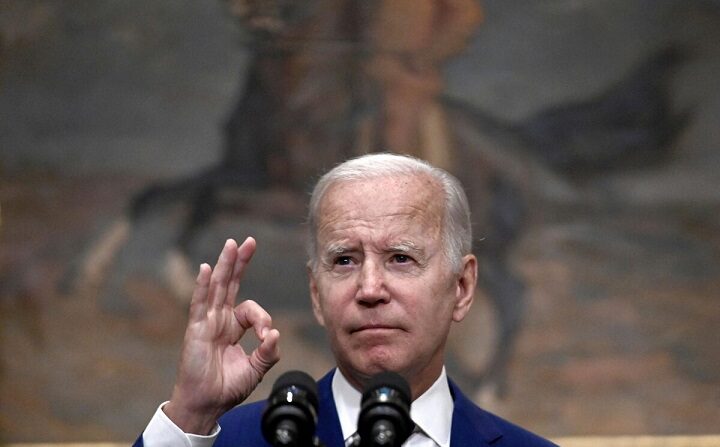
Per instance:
{"type": "Point", "coordinates": [136, 136]}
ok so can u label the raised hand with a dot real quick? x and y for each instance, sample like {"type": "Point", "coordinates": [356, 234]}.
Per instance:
{"type": "Point", "coordinates": [215, 372]}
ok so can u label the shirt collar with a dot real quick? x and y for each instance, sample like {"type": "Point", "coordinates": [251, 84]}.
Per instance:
{"type": "Point", "coordinates": [432, 411]}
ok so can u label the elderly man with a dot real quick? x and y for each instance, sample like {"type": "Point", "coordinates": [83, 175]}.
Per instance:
{"type": "Point", "coordinates": [390, 270]}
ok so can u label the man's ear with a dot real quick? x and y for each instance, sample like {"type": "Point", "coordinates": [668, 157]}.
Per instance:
{"type": "Point", "coordinates": [314, 295]}
{"type": "Point", "coordinates": [465, 287]}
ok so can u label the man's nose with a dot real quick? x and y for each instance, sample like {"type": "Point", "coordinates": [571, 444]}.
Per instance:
{"type": "Point", "coordinates": [371, 284]}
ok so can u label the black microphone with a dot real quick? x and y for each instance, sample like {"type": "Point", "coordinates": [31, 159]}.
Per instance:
{"type": "Point", "coordinates": [291, 415]}
{"type": "Point", "coordinates": [385, 411]}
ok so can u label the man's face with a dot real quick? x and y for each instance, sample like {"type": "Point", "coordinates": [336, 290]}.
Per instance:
{"type": "Point", "coordinates": [383, 287]}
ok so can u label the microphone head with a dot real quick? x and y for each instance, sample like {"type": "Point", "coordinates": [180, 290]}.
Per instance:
{"type": "Point", "coordinates": [291, 413]}
{"type": "Point", "coordinates": [300, 380]}
{"type": "Point", "coordinates": [390, 380]}
{"type": "Point", "coordinates": [384, 418]}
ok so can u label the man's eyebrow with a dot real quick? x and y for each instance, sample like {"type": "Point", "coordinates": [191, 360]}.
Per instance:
{"type": "Point", "coordinates": [336, 249]}
{"type": "Point", "coordinates": [405, 247]}
{"type": "Point", "coordinates": [339, 249]}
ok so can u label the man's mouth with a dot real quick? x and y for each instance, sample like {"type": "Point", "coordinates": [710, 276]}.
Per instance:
{"type": "Point", "coordinates": [375, 328]}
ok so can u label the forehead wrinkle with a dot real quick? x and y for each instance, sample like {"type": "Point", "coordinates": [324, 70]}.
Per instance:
{"type": "Point", "coordinates": [344, 209]}
{"type": "Point", "coordinates": [403, 246]}
{"type": "Point", "coordinates": [344, 203]}
{"type": "Point", "coordinates": [387, 236]}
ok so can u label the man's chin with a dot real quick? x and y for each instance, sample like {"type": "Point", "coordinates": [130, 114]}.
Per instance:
{"type": "Point", "coordinates": [377, 361]}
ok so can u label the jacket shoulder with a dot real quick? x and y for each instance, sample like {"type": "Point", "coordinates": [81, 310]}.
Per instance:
{"type": "Point", "coordinates": [471, 425]}
{"type": "Point", "coordinates": [514, 435]}
{"type": "Point", "coordinates": [241, 426]}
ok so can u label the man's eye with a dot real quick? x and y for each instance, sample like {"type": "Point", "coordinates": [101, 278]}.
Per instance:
{"type": "Point", "coordinates": [343, 260]}
{"type": "Point", "coordinates": [401, 259]}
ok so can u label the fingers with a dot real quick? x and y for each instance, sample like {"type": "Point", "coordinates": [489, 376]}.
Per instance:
{"type": "Point", "coordinates": [199, 302]}
{"type": "Point", "coordinates": [244, 254]}
{"type": "Point", "coordinates": [229, 270]}
{"type": "Point", "coordinates": [221, 274]}
{"type": "Point", "coordinates": [219, 286]}
{"type": "Point", "coordinates": [251, 315]}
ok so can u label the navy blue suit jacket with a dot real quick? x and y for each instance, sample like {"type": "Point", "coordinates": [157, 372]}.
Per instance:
{"type": "Point", "coordinates": [471, 425]}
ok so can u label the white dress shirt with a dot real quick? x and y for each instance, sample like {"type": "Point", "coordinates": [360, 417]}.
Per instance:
{"type": "Point", "coordinates": [431, 412]}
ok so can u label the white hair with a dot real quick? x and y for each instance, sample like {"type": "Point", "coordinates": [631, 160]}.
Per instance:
{"type": "Point", "coordinates": [457, 228]}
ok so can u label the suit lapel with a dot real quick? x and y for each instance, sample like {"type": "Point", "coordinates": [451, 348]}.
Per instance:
{"type": "Point", "coordinates": [328, 428]}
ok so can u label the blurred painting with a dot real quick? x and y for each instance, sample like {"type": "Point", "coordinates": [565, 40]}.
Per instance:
{"type": "Point", "coordinates": [135, 137]}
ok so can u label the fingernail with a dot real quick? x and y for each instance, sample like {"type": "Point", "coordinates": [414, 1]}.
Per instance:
{"type": "Point", "coordinates": [264, 332]}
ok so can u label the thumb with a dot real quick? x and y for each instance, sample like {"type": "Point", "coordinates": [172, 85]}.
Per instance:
{"type": "Point", "coordinates": [267, 353]}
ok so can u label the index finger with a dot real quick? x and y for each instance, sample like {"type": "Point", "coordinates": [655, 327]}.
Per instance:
{"type": "Point", "coordinates": [245, 252]}
{"type": "Point", "coordinates": [251, 315]}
